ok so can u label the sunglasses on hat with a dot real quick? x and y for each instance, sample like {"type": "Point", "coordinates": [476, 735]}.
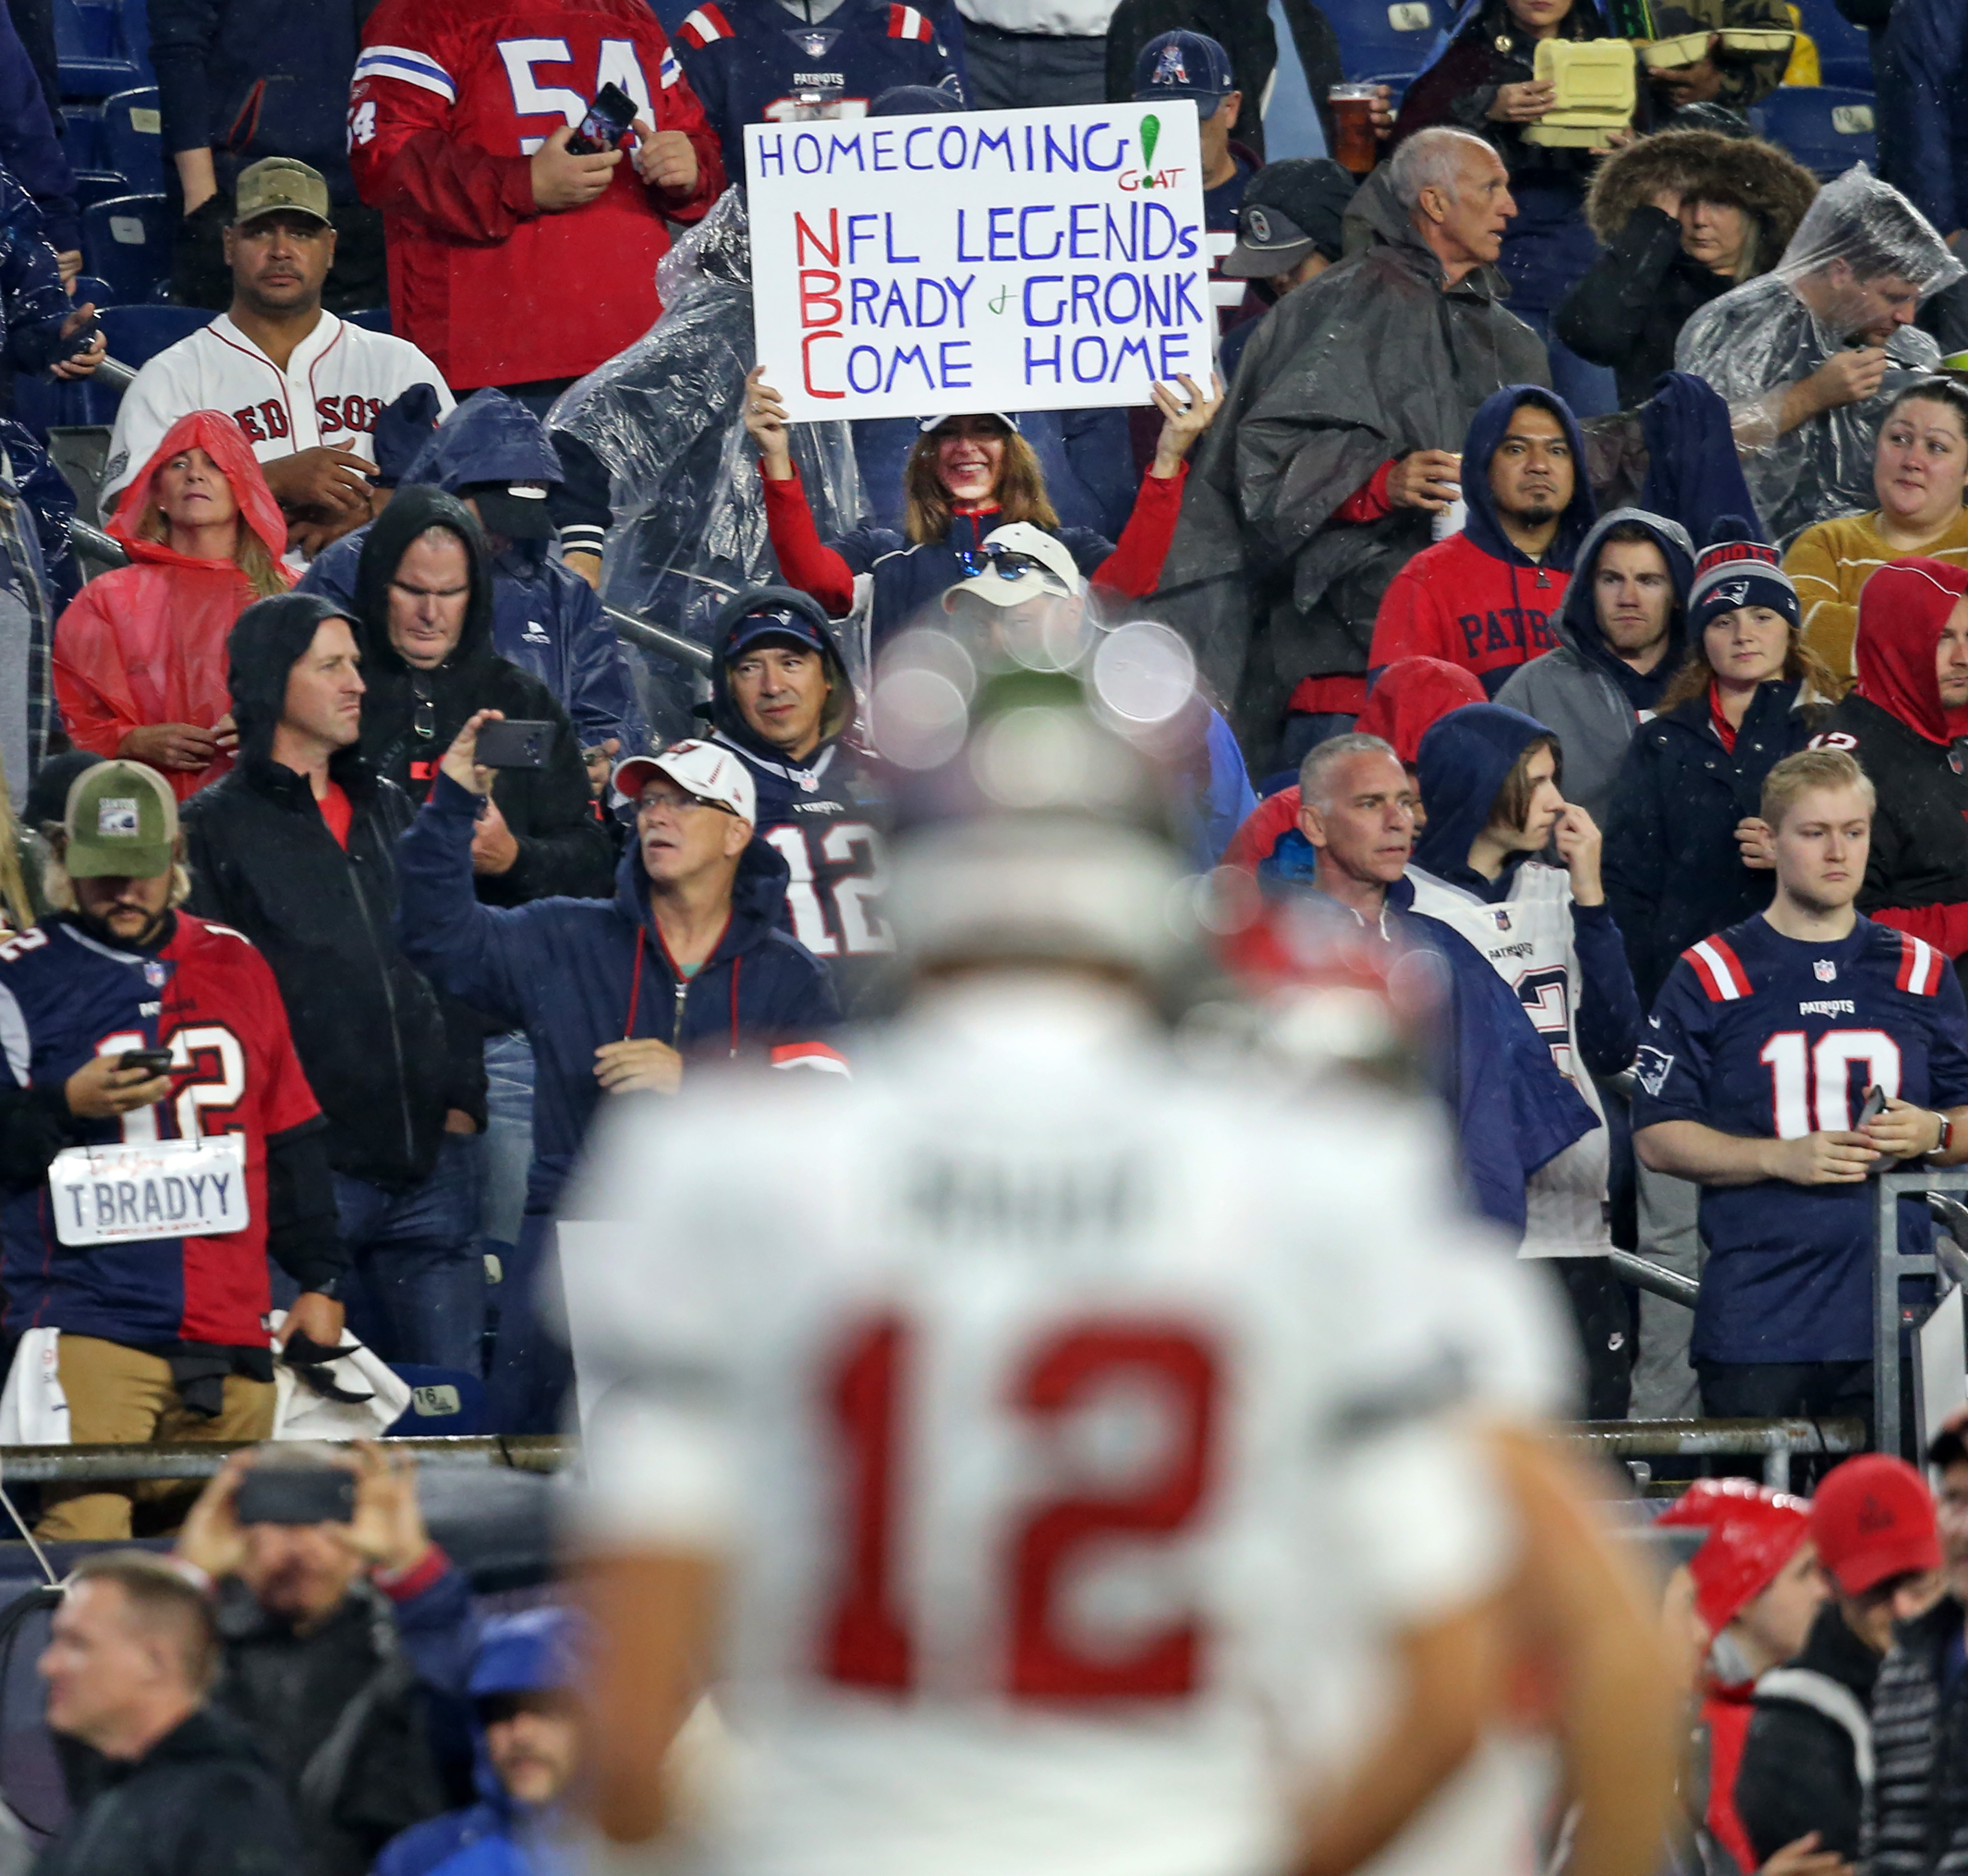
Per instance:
{"type": "Point", "coordinates": [1007, 562]}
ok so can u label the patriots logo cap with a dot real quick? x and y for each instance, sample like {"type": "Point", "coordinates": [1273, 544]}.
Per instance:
{"type": "Point", "coordinates": [1184, 65]}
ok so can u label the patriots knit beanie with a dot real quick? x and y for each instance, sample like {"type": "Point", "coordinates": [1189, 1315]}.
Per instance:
{"type": "Point", "coordinates": [1736, 569]}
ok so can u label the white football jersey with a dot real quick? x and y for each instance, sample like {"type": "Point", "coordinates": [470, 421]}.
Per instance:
{"type": "Point", "coordinates": [1078, 1429]}
{"type": "Point", "coordinates": [1527, 937]}
{"type": "Point", "coordinates": [336, 383]}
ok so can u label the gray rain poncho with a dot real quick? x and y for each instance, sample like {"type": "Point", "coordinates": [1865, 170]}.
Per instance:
{"type": "Point", "coordinates": [1368, 361]}
{"type": "Point", "coordinates": [1757, 340]}
{"type": "Point", "coordinates": [664, 417]}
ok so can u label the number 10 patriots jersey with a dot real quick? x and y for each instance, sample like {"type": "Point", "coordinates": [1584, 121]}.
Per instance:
{"type": "Point", "coordinates": [1067, 1463]}
{"type": "Point", "coordinates": [1767, 1036]}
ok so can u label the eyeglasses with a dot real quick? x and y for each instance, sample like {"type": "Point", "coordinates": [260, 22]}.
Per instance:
{"type": "Point", "coordinates": [676, 803]}
{"type": "Point", "coordinates": [1006, 562]}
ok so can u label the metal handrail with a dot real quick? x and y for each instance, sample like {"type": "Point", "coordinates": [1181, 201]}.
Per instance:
{"type": "Point", "coordinates": [1889, 1265]}
{"type": "Point", "coordinates": [61, 1465]}
{"type": "Point", "coordinates": [657, 638]}
{"type": "Point", "coordinates": [1775, 1442]}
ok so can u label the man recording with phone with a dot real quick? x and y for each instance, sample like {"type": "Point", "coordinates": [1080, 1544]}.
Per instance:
{"type": "Point", "coordinates": [163, 1143]}
{"type": "Point", "coordinates": [346, 1636]}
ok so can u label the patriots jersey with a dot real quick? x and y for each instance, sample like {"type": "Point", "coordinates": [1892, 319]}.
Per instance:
{"type": "Point", "coordinates": [1528, 939]}
{"type": "Point", "coordinates": [752, 62]}
{"type": "Point", "coordinates": [1073, 1472]}
{"type": "Point", "coordinates": [1757, 1034]}
{"type": "Point", "coordinates": [826, 822]}
{"type": "Point", "coordinates": [210, 998]}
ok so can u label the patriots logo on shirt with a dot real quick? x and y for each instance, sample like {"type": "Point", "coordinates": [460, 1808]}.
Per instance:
{"type": "Point", "coordinates": [1170, 70]}
{"type": "Point", "coordinates": [1651, 1069]}
{"type": "Point", "coordinates": [1824, 971]}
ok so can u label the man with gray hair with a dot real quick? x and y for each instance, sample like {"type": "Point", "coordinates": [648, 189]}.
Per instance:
{"type": "Point", "coordinates": [1338, 453]}
{"type": "Point", "coordinates": [1355, 831]}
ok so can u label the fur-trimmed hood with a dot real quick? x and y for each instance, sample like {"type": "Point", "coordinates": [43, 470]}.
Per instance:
{"type": "Point", "coordinates": [1755, 176]}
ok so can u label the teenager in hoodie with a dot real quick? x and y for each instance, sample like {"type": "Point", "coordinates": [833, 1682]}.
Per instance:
{"type": "Point", "coordinates": [1485, 597]}
{"type": "Point", "coordinates": [493, 455]}
{"type": "Point", "coordinates": [685, 964]}
{"type": "Point", "coordinates": [1620, 639]}
{"type": "Point", "coordinates": [783, 703]}
{"type": "Point", "coordinates": [1912, 653]}
{"type": "Point", "coordinates": [140, 654]}
{"type": "Point", "coordinates": [1493, 777]}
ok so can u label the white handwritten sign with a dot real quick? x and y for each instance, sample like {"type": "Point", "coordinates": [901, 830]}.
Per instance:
{"type": "Point", "coordinates": [984, 261]}
{"type": "Point", "coordinates": [161, 1188]}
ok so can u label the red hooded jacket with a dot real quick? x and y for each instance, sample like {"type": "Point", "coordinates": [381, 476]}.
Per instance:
{"type": "Point", "coordinates": [146, 644]}
{"type": "Point", "coordinates": [1455, 602]}
{"type": "Point", "coordinates": [1412, 694]}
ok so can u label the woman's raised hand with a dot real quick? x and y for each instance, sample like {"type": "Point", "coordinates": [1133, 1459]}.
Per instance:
{"type": "Point", "coordinates": [765, 422]}
{"type": "Point", "coordinates": [1181, 425]}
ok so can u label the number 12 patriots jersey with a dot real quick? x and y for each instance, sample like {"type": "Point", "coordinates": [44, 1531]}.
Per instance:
{"type": "Point", "coordinates": [756, 62]}
{"type": "Point", "coordinates": [210, 998]}
{"type": "Point", "coordinates": [1066, 1461]}
{"type": "Point", "coordinates": [1761, 1035]}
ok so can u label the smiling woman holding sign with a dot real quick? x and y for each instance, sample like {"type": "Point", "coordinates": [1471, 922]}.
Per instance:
{"type": "Point", "coordinates": [966, 476]}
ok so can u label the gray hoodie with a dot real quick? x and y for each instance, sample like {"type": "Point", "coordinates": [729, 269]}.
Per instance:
{"type": "Point", "coordinates": [1581, 692]}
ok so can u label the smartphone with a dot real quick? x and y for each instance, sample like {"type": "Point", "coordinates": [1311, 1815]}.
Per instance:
{"type": "Point", "coordinates": [519, 744]}
{"type": "Point", "coordinates": [1874, 1106]}
{"type": "Point", "coordinates": [295, 1495]}
{"type": "Point", "coordinates": [151, 1061]}
{"type": "Point", "coordinates": [609, 119]}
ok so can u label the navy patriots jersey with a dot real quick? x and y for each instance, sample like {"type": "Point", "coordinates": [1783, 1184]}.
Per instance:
{"type": "Point", "coordinates": [210, 998]}
{"type": "Point", "coordinates": [752, 62]}
{"type": "Point", "coordinates": [1758, 1034]}
{"type": "Point", "coordinates": [826, 820]}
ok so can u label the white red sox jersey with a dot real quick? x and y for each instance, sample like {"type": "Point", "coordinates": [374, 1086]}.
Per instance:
{"type": "Point", "coordinates": [1527, 937]}
{"type": "Point", "coordinates": [339, 378]}
{"type": "Point", "coordinates": [1073, 1469]}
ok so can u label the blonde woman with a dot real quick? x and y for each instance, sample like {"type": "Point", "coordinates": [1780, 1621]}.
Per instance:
{"type": "Point", "coordinates": [139, 666]}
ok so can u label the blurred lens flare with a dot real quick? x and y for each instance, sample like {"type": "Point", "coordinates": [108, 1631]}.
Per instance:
{"type": "Point", "coordinates": [920, 717]}
{"type": "Point", "coordinates": [1143, 672]}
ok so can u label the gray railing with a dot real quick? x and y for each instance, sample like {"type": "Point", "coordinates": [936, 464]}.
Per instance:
{"type": "Point", "coordinates": [64, 1465]}
{"type": "Point", "coordinates": [1775, 1442]}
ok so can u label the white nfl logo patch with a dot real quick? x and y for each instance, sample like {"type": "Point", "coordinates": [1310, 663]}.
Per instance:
{"type": "Point", "coordinates": [1824, 971]}
{"type": "Point", "coordinates": [117, 815]}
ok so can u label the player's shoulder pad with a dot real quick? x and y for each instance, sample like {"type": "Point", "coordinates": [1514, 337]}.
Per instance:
{"type": "Point", "coordinates": [1718, 970]}
{"type": "Point", "coordinates": [910, 23]}
{"type": "Point", "coordinates": [704, 25]}
{"type": "Point", "coordinates": [1920, 966]}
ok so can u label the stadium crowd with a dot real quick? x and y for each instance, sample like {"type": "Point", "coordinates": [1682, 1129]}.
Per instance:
{"type": "Point", "coordinates": [513, 850]}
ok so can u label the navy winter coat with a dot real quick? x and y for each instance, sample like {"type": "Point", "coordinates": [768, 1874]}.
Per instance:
{"type": "Point", "coordinates": [576, 973]}
{"type": "Point", "coordinates": [1674, 873]}
{"type": "Point", "coordinates": [545, 619]}
{"type": "Point", "coordinates": [30, 150]}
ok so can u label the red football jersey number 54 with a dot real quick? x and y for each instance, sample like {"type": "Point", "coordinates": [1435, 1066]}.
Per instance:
{"type": "Point", "coordinates": [867, 1641]}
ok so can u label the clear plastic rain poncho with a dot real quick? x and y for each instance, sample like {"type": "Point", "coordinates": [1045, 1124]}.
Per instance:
{"type": "Point", "coordinates": [665, 417]}
{"type": "Point", "coordinates": [1823, 297]}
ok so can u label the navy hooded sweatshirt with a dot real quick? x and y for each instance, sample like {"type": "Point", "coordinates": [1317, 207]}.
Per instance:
{"type": "Point", "coordinates": [576, 973]}
{"type": "Point", "coordinates": [544, 619]}
{"type": "Point", "coordinates": [1486, 1043]}
{"type": "Point", "coordinates": [1476, 599]}
{"type": "Point", "coordinates": [1463, 761]}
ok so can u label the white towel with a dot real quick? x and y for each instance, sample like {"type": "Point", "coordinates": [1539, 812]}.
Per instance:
{"type": "Point", "coordinates": [300, 1413]}
{"type": "Point", "coordinates": [33, 1410]}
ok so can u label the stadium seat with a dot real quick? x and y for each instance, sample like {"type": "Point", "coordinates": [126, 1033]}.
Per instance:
{"type": "Point", "coordinates": [93, 186]}
{"type": "Point", "coordinates": [371, 318]}
{"type": "Point", "coordinates": [1292, 125]}
{"type": "Point", "coordinates": [82, 137]}
{"type": "Point", "coordinates": [1826, 127]}
{"type": "Point", "coordinates": [90, 53]}
{"type": "Point", "coordinates": [443, 1401]}
{"type": "Point", "coordinates": [44, 404]}
{"type": "Point", "coordinates": [127, 242]}
{"type": "Point", "coordinates": [136, 20]}
{"type": "Point", "coordinates": [1844, 51]}
{"type": "Point", "coordinates": [88, 287]}
{"type": "Point", "coordinates": [1378, 36]}
{"type": "Point", "coordinates": [136, 335]}
{"type": "Point", "coordinates": [133, 139]}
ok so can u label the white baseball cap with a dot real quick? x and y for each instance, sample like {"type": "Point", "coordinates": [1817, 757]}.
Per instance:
{"type": "Point", "coordinates": [1019, 562]}
{"type": "Point", "coordinates": [700, 769]}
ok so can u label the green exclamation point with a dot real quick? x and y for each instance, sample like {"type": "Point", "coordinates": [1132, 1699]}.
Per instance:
{"type": "Point", "coordinates": [1151, 128]}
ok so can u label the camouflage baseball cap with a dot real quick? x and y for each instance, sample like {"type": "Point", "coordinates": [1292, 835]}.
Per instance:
{"type": "Point", "coordinates": [121, 823]}
{"type": "Point", "coordinates": [278, 182]}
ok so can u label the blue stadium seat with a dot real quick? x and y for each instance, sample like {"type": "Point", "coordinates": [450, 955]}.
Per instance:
{"type": "Point", "coordinates": [372, 318]}
{"type": "Point", "coordinates": [96, 292]}
{"type": "Point", "coordinates": [136, 19]}
{"type": "Point", "coordinates": [93, 186]}
{"type": "Point", "coordinates": [1844, 51]}
{"type": "Point", "coordinates": [133, 139]}
{"type": "Point", "coordinates": [1378, 36]}
{"type": "Point", "coordinates": [90, 53]}
{"type": "Point", "coordinates": [44, 404]}
{"type": "Point", "coordinates": [82, 137]}
{"type": "Point", "coordinates": [443, 1401]}
{"type": "Point", "coordinates": [1292, 125]}
{"type": "Point", "coordinates": [1826, 127]}
{"type": "Point", "coordinates": [137, 333]}
{"type": "Point", "coordinates": [126, 242]}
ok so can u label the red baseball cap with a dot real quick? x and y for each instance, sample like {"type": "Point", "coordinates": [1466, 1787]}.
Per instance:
{"type": "Point", "coordinates": [1753, 1533]}
{"type": "Point", "coordinates": [1873, 1518]}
